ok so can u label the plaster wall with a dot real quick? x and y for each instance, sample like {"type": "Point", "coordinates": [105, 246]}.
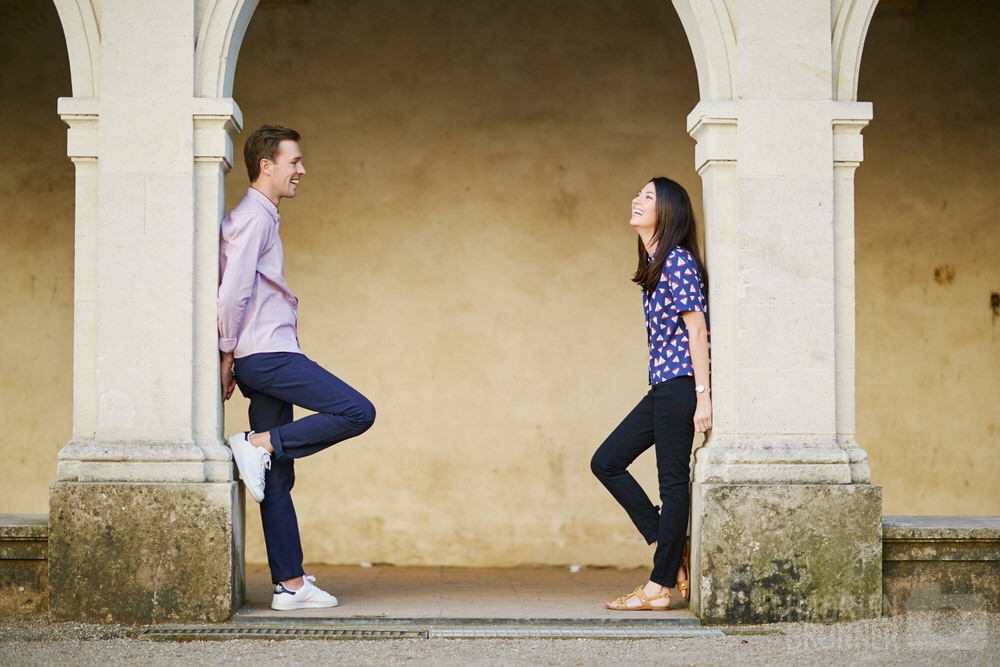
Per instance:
{"type": "Point", "coordinates": [36, 255]}
{"type": "Point", "coordinates": [460, 249]}
{"type": "Point", "coordinates": [928, 259]}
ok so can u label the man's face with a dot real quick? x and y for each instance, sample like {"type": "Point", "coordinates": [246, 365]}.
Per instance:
{"type": "Point", "coordinates": [286, 169]}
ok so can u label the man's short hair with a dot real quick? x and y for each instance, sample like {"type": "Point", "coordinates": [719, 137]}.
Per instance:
{"type": "Point", "coordinates": [263, 144]}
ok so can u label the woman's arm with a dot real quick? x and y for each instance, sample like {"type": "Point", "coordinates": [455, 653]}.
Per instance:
{"type": "Point", "coordinates": [694, 320]}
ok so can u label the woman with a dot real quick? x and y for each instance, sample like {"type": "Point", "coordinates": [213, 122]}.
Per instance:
{"type": "Point", "coordinates": [674, 283]}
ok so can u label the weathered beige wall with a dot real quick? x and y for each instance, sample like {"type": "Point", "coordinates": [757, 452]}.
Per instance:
{"type": "Point", "coordinates": [36, 255]}
{"type": "Point", "coordinates": [928, 258]}
{"type": "Point", "coordinates": [461, 252]}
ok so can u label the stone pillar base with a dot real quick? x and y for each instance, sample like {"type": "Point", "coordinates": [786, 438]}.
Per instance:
{"type": "Point", "coordinates": [145, 552]}
{"type": "Point", "coordinates": [795, 552]}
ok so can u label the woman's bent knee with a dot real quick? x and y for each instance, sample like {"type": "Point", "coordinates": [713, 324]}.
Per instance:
{"type": "Point", "coordinates": [600, 467]}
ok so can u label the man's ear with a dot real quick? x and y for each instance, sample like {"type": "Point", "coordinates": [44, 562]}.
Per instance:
{"type": "Point", "coordinates": [265, 166]}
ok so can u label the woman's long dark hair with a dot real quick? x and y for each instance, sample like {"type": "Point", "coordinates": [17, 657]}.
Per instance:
{"type": "Point", "coordinates": [675, 226]}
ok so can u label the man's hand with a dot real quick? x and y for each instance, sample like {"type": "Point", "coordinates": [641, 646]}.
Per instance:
{"type": "Point", "coordinates": [227, 376]}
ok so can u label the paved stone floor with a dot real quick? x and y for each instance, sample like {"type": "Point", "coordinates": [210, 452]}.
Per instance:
{"type": "Point", "coordinates": [383, 592]}
{"type": "Point", "coordinates": [518, 616]}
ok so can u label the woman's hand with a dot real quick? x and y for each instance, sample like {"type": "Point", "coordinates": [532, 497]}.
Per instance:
{"type": "Point", "coordinates": [698, 335]}
{"type": "Point", "coordinates": [703, 413]}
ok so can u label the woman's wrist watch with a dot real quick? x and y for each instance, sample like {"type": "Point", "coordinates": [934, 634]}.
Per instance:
{"type": "Point", "coordinates": [702, 389]}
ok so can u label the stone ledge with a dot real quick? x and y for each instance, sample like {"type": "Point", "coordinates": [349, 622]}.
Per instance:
{"type": "Point", "coordinates": [941, 538]}
{"type": "Point", "coordinates": [940, 562]}
{"type": "Point", "coordinates": [22, 526]}
{"type": "Point", "coordinates": [24, 536]}
{"type": "Point", "coordinates": [24, 572]}
{"type": "Point", "coordinates": [950, 528]}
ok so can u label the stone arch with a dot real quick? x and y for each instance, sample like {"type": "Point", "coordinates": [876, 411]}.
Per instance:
{"type": "Point", "coordinates": [851, 19]}
{"type": "Point", "coordinates": [712, 39]}
{"type": "Point", "coordinates": [83, 43]}
{"type": "Point", "coordinates": [223, 25]}
{"type": "Point", "coordinates": [220, 35]}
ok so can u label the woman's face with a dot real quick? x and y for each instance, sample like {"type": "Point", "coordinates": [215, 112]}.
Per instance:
{"type": "Point", "coordinates": [644, 209]}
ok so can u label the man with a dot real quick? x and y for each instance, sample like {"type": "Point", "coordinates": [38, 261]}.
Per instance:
{"type": "Point", "coordinates": [259, 346]}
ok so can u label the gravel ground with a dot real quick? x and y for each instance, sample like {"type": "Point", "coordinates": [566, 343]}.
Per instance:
{"type": "Point", "coordinates": [917, 638]}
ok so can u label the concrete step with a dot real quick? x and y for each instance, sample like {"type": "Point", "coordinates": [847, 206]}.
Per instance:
{"type": "Point", "coordinates": [468, 595]}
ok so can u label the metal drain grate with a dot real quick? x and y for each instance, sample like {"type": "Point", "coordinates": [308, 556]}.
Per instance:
{"type": "Point", "coordinates": [174, 634]}
{"type": "Point", "coordinates": [570, 633]}
{"type": "Point", "coordinates": [447, 632]}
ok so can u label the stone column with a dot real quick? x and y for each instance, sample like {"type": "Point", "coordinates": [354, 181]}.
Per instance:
{"type": "Point", "coordinates": [785, 523]}
{"type": "Point", "coordinates": [145, 518]}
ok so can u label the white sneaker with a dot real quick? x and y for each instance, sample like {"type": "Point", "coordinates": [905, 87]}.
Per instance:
{"type": "Point", "coordinates": [251, 462]}
{"type": "Point", "coordinates": [307, 597]}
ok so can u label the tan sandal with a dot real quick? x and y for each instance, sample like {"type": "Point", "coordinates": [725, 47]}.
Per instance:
{"type": "Point", "coordinates": [682, 586]}
{"type": "Point", "coordinates": [621, 603]}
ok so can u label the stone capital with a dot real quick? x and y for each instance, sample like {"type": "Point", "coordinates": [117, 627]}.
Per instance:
{"type": "Point", "coordinates": [217, 121]}
{"type": "Point", "coordinates": [714, 126]}
{"type": "Point", "coordinates": [82, 115]}
{"type": "Point", "coordinates": [848, 120]}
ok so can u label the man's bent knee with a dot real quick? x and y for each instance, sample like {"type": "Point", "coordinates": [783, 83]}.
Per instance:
{"type": "Point", "coordinates": [364, 415]}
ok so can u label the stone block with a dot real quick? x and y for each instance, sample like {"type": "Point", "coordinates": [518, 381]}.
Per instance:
{"type": "Point", "coordinates": [940, 562]}
{"type": "Point", "coordinates": [771, 325]}
{"type": "Point", "coordinates": [772, 21]}
{"type": "Point", "coordinates": [779, 553]}
{"type": "Point", "coordinates": [23, 565]}
{"type": "Point", "coordinates": [783, 70]}
{"type": "Point", "coordinates": [766, 393]}
{"type": "Point", "coordinates": [145, 552]}
{"type": "Point", "coordinates": [787, 142]}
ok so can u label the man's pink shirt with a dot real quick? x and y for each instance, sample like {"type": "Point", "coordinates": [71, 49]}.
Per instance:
{"type": "Point", "coordinates": [257, 311]}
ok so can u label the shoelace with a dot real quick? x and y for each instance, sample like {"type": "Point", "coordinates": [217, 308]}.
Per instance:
{"type": "Point", "coordinates": [267, 463]}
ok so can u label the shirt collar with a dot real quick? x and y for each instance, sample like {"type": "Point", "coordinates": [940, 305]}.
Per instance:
{"type": "Point", "coordinates": [268, 205]}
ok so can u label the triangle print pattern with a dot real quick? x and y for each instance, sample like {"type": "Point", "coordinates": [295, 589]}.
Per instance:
{"type": "Point", "coordinates": [680, 289]}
